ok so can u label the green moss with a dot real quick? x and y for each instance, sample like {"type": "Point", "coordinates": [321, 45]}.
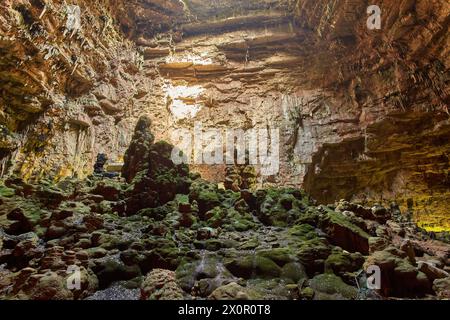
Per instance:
{"type": "Point", "coordinates": [253, 266]}
{"type": "Point", "coordinates": [279, 207]}
{"type": "Point", "coordinates": [340, 219]}
{"type": "Point", "coordinates": [6, 192]}
{"type": "Point", "coordinates": [312, 254]}
{"type": "Point", "coordinates": [191, 270]}
{"type": "Point", "coordinates": [216, 217]}
{"type": "Point", "coordinates": [206, 194]}
{"type": "Point", "coordinates": [40, 231]}
{"type": "Point", "coordinates": [307, 293]}
{"type": "Point", "coordinates": [236, 221]}
{"type": "Point", "coordinates": [280, 256]}
{"type": "Point", "coordinates": [329, 286]}
{"type": "Point", "coordinates": [182, 198]}
{"type": "Point", "coordinates": [213, 244]}
{"type": "Point", "coordinates": [249, 244]}
{"type": "Point", "coordinates": [340, 262]}
{"type": "Point", "coordinates": [311, 217]}
{"type": "Point", "coordinates": [303, 231]}
{"type": "Point", "coordinates": [294, 271]}
{"type": "Point", "coordinates": [242, 225]}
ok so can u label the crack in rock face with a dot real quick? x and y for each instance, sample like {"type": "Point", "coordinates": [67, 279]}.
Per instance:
{"type": "Point", "coordinates": [349, 102]}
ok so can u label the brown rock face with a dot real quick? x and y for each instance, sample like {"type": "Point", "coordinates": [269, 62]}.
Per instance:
{"type": "Point", "coordinates": [397, 90]}
{"type": "Point", "coordinates": [72, 87]}
{"type": "Point", "coordinates": [361, 114]}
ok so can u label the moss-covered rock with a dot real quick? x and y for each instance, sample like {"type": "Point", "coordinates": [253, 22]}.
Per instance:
{"type": "Point", "coordinates": [109, 271]}
{"type": "Point", "coordinates": [138, 153]}
{"type": "Point", "coordinates": [153, 177]}
{"type": "Point", "coordinates": [161, 284]}
{"type": "Point", "coordinates": [206, 195]}
{"type": "Point", "coordinates": [280, 256]}
{"type": "Point", "coordinates": [294, 272]}
{"type": "Point", "coordinates": [238, 221]}
{"type": "Point", "coordinates": [251, 266]}
{"type": "Point", "coordinates": [341, 262]}
{"type": "Point", "coordinates": [399, 278]}
{"type": "Point", "coordinates": [279, 206]}
{"type": "Point", "coordinates": [331, 287]}
{"type": "Point", "coordinates": [344, 233]}
{"type": "Point", "coordinates": [24, 217]}
{"type": "Point", "coordinates": [313, 253]}
{"type": "Point", "coordinates": [303, 232]}
{"type": "Point", "coordinates": [164, 257]}
{"type": "Point", "coordinates": [233, 291]}
{"type": "Point", "coordinates": [311, 216]}
{"type": "Point", "coordinates": [201, 267]}
{"type": "Point", "coordinates": [6, 192]}
{"type": "Point", "coordinates": [109, 189]}
{"type": "Point", "coordinates": [216, 217]}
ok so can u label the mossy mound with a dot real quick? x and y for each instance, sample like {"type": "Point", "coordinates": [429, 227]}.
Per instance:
{"type": "Point", "coordinates": [279, 207]}
{"type": "Point", "coordinates": [253, 266]}
{"type": "Point", "coordinates": [331, 287]}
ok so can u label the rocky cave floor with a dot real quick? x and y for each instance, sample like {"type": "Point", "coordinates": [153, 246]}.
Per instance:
{"type": "Point", "coordinates": [167, 234]}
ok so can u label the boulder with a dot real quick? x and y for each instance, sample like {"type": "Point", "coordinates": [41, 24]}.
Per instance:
{"type": "Point", "coordinates": [161, 284]}
{"type": "Point", "coordinates": [344, 233]}
{"type": "Point", "coordinates": [341, 262]}
{"type": "Point", "coordinates": [294, 272]}
{"type": "Point", "coordinates": [313, 253]}
{"type": "Point", "coordinates": [206, 195]}
{"type": "Point", "coordinates": [442, 288]}
{"type": "Point", "coordinates": [231, 291]}
{"type": "Point", "coordinates": [399, 278]}
{"type": "Point", "coordinates": [21, 223]}
{"type": "Point", "coordinates": [109, 271]}
{"type": "Point", "coordinates": [331, 287]}
{"type": "Point", "coordinates": [153, 177]}
{"type": "Point", "coordinates": [432, 272]}
{"type": "Point", "coordinates": [253, 266]}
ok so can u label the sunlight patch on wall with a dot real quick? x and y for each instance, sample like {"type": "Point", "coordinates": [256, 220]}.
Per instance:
{"type": "Point", "coordinates": [183, 99]}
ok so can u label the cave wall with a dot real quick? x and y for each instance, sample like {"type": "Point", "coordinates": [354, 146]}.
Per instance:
{"type": "Point", "coordinates": [362, 113]}
{"type": "Point", "coordinates": [72, 86]}
{"type": "Point", "coordinates": [398, 81]}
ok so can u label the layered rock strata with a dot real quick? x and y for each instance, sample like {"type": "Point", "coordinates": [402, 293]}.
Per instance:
{"type": "Point", "coordinates": [362, 114]}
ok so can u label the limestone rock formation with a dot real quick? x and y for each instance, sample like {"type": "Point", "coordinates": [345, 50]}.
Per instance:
{"type": "Point", "coordinates": [138, 153]}
{"type": "Point", "coordinates": [161, 285]}
{"type": "Point", "coordinates": [356, 119]}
